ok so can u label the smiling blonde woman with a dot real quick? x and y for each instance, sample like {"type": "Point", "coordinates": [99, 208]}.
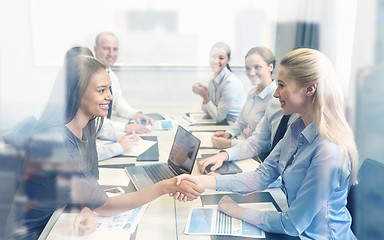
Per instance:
{"type": "Point", "coordinates": [316, 159]}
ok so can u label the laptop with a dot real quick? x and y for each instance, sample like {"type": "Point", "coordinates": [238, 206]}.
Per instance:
{"type": "Point", "coordinates": [181, 160]}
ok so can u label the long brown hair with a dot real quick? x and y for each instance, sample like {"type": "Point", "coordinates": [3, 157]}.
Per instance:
{"type": "Point", "coordinates": [67, 92]}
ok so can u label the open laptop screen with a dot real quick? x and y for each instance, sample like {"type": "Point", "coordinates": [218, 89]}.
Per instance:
{"type": "Point", "coordinates": [184, 150]}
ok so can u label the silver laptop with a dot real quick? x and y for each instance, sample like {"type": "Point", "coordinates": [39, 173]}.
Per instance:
{"type": "Point", "coordinates": [181, 160]}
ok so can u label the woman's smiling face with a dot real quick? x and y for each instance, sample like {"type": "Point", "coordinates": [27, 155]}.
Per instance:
{"type": "Point", "coordinates": [97, 95]}
{"type": "Point", "coordinates": [291, 96]}
{"type": "Point", "coordinates": [218, 60]}
{"type": "Point", "coordinates": [257, 70]}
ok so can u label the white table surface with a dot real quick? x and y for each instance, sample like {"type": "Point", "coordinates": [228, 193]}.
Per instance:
{"type": "Point", "coordinates": [164, 218]}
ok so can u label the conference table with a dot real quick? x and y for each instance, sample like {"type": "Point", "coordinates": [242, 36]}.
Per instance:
{"type": "Point", "coordinates": [164, 218]}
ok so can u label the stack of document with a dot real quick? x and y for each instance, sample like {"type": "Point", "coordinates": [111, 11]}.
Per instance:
{"type": "Point", "coordinates": [201, 118]}
{"type": "Point", "coordinates": [205, 138]}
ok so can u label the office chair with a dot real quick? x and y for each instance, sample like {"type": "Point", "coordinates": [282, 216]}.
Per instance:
{"type": "Point", "coordinates": [11, 161]}
{"type": "Point", "coordinates": [366, 201]}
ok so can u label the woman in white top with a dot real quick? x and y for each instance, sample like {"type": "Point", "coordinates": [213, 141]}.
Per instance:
{"type": "Point", "coordinates": [259, 65]}
{"type": "Point", "coordinates": [224, 97]}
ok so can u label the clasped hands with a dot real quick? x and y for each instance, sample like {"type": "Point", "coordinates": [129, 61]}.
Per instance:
{"type": "Point", "coordinates": [186, 188]}
{"type": "Point", "coordinates": [221, 140]}
{"type": "Point", "coordinates": [201, 90]}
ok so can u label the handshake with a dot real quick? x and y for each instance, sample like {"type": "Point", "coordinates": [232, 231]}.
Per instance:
{"type": "Point", "coordinates": [191, 187]}
{"type": "Point", "coordinates": [185, 187]}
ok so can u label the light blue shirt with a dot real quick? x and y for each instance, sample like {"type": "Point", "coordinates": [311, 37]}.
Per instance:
{"type": "Point", "coordinates": [262, 137]}
{"type": "Point", "coordinates": [227, 97]}
{"type": "Point", "coordinates": [315, 185]}
{"type": "Point", "coordinates": [253, 111]}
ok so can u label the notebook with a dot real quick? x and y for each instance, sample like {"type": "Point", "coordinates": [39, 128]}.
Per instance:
{"type": "Point", "coordinates": [181, 160]}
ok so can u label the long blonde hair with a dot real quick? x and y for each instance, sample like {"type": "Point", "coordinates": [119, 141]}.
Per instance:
{"type": "Point", "coordinates": [307, 67]}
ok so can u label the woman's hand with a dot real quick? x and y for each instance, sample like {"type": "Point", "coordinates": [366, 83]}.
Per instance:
{"type": "Point", "coordinates": [141, 117]}
{"type": "Point", "coordinates": [197, 88]}
{"type": "Point", "coordinates": [230, 207]}
{"type": "Point", "coordinates": [126, 140]}
{"type": "Point", "coordinates": [201, 90]}
{"type": "Point", "coordinates": [138, 128]}
{"type": "Point", "coordinates": [85, 222]}
{"type": "Point", "coordinates": [186, 188]}
{"type": "Point", "coordinates": [204, 182]}
{"type": "Point", "coordinates": [222, 134]}
{"type": "Point", "coordinates": [220, 142]}
{"type": "Point", "coordinates": [246, 132]}
{"type": "Point", "coordinates": [216, 160]}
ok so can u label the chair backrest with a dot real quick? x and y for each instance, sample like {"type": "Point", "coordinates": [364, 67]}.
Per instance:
{"type": "Point", "coordinates": [19, 134]}
{"type": "Point", "coordinates": [366, 201]}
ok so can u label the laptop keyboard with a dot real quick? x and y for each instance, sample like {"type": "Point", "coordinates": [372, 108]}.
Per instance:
{"type": "Point", "coordinates": [158, 172]}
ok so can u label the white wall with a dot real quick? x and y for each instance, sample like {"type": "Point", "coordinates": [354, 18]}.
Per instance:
{"type": "Point", "coordinates": [152, 33]}
{"type": "Point", "coordinates": [25, 86]}
{"type": "Point", "coordinates": [168, 90]}
{"type": "Point", "coordinates": [29, 62]}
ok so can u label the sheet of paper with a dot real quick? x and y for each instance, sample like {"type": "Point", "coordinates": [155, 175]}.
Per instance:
{"type": "Point", "coordinates": [120, 226]}
{"type": "Point", "coordinates": [201, 118]}
{"type": "Point", "coordinates": [113, 177]}
{"type": "Point", "coordinates": [63, 228]}
{"type": "Point", "coordinates": [125, 222]}
{"type": "Point", "coordinates": [137, 147]}
{"type": "Point", "coordinates": [205, 138]}
{"type": "Point", "coordinates": [161, 125]}
{"type": "Point", "coordinates": [180, 120]}
{"type": "Point", "coordinates": [209, 220]}
{"type": "Point", "coordinates": [117, 161]}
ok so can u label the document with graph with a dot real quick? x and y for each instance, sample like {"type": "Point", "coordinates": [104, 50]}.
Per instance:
{"type": "Point", "coordinates": [210, 221]}
{"type": "Point", "coordinates": [125, 222]}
